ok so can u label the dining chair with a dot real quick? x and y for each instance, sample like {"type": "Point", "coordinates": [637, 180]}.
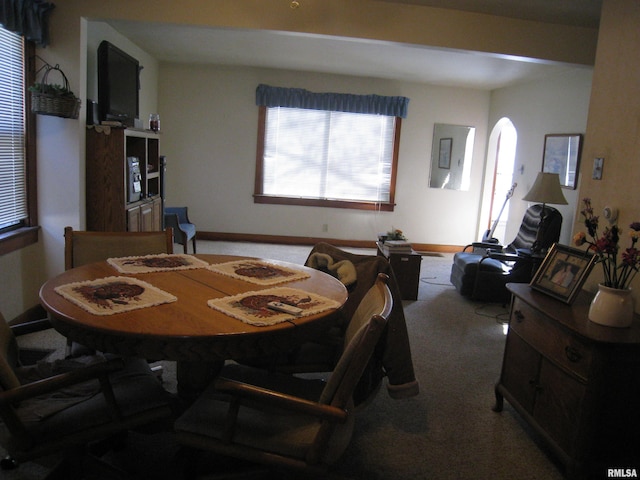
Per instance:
{"type": "Point", "coordinates": [64, 406]}
{"type": "Point", "coordinates": [84, 247]}
{"type": "Point", "coordinates": [285, 421]}
{"type": "Point", "coordinates": [183, 229]}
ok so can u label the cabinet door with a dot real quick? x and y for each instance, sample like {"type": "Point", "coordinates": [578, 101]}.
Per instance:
{"type": "Point", "coordinates": [157, 214]}
{"type": "Point", "coordinates": [134, 221]}
{"type": "Point", "coordinates": [146, 215]}
{"type": "Point", "coordinates": [520, 370]}
{"type": "Point", "coordinates": [558, 404]}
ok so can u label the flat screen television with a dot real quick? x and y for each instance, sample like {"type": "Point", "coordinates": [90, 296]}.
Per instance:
{"type": "Point", "coordinates": [118, 85]}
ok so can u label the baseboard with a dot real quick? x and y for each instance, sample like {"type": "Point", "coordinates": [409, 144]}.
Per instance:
{"type": "Point", "coordinates": [338, 242]}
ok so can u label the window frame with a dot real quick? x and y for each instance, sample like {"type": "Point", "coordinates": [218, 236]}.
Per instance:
{"type": "Point", "coordinates": [15, 238]}
{"type": "Point", "coordinates": [260, 197]}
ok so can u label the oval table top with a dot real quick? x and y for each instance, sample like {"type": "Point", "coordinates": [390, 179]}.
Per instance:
{"type": "Point", "coordinates": [188, 329]}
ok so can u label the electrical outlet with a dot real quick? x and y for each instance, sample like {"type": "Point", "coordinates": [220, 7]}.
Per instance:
{"type": "Point", "coordinates": [325, 227]}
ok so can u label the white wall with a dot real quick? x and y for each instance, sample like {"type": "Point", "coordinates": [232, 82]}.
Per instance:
{"type": "Point", "coordinates": [209, 136]}
{"type": "Point", "coordinates": [553, 105]}
{"type": "Point", "coordinates": [210, 127]}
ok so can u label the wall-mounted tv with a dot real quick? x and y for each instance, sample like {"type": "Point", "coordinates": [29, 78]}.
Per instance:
{"type": "Point", "coordinates": [118, 85]}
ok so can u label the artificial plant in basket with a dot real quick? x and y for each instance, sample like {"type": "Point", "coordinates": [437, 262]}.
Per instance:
{"type": "Point", "coordinates": [49, 98]}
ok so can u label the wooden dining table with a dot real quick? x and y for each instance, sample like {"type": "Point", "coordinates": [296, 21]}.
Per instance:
{"type": "Point", "coordinates": [187, 329]}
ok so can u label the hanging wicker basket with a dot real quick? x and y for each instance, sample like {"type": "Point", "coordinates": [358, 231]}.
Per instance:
{"type": "Point", "coordinates": [49, 99]}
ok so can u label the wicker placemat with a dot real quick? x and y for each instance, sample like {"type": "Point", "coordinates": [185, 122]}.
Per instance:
{"type": "Point", "coordinates": [110, 295]}
{"type": "Point", "coordinates": [259, 272]}
{"type": "Point", "coordinates": [251, 307]}
{"type": "Point", "coordinates": [156, 263]}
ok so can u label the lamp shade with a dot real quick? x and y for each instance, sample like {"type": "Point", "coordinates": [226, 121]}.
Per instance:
{"type": "Point", "coordinates": [546, 189]}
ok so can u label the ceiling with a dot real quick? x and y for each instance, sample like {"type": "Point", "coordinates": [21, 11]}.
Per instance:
{"type": "Point", "coordinates": [319, 53]}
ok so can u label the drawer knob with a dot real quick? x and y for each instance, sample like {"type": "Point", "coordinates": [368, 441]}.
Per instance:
{"type": "Point", "coordinates": [573, 354]}
{"type": "Point", "coordinates": [518, 315]}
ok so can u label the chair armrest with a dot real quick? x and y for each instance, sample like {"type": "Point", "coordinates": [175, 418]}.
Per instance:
{"type": "Point", "coordinates": [31, 327]}
{"type": "Point", "coordinates": [488, 245]}
{"type": "Point", "coordinates": [483, 246]}
{"type": "Point", "coordinates": [98, 371]}
{"type": "Point", "coordinates": [280, 399]}
{"type": "Point", "coordinates": [502, 256]}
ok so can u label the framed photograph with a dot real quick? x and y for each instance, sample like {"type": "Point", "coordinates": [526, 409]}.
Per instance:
{"type": "Point", "coordinates": [562, 156]}
{"type": "Point", "coordinates": [563, 272]}
{"type": "Point", "coordinates": [444, 160]}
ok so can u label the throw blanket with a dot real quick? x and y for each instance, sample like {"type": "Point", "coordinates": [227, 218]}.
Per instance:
{"type": "Point", "coordinates": [395, 351]}
{"type": "Point", "coordinates": [343, 270]}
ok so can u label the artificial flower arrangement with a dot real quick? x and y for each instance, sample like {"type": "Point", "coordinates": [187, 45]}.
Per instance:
{"type": "Point", "coordinates": [395, 234]}
{"type": "Point", "coordinates": [606, 248]}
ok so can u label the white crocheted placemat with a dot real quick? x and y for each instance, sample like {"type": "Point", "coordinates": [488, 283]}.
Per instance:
{"type": "Point", "coordinates": [156, 263]}
{"type": "Point", "coordinates": [110, 295]}
{"type": "Point", "coordinates": [259, 272]}
{"type": "Point", "coordinates": [251, 307]}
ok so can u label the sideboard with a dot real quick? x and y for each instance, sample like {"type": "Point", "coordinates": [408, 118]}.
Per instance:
{"type": "Point", "coordinates": [575, 382]}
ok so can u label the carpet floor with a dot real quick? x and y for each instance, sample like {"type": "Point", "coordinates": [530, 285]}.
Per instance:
{"type": "Point", "coordinates": [447, 432]}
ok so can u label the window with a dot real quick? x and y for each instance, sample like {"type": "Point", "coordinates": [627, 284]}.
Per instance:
{"type": "Point", "coordinates": [17, 151]}
{"type": "Point", "coordinates": [321, 153]}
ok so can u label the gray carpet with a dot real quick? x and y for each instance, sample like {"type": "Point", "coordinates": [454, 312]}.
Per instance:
{"type": "Point", "coordinates": [447, 432]}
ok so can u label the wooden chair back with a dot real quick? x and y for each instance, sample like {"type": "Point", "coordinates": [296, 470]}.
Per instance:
{"type": "Point", "coordinates": [361, 338]}
{"type": "Point", "coordinates": [83, 247]}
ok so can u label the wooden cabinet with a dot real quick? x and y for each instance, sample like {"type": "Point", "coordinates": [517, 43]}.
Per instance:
{"type": "Point", "coordinates": [119, 197]}
{"type": "Point", "coordinates": [575, 382]}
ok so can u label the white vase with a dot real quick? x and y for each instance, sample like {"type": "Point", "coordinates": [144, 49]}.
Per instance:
{"type": "Point", "coordinates": [612, 307]}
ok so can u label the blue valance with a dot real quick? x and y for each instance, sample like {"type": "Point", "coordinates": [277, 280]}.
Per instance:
{"type": "Point", "coordinates": [339, 102]}
{"type": "Point", "coordinates": [29, 18]}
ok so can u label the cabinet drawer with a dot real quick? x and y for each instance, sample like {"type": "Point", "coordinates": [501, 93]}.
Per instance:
{"type": "Point", "coordinates": [552, 342]}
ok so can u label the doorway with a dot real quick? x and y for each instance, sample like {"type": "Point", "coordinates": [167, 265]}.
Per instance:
{"type": "Point", "coordinates": [499, 184]}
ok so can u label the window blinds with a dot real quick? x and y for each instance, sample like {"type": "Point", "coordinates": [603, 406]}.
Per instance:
{"type": "Point", "coordinates": [13, 199]}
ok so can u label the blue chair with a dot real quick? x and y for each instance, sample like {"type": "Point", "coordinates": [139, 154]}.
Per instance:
{"type": "Point", "coordinates": [183, 230]}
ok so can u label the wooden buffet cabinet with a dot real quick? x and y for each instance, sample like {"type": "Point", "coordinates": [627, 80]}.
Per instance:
{"type": "Point", "coordinates": [575, 382]}
{"type": "Point", "coordinates": [110, 206]}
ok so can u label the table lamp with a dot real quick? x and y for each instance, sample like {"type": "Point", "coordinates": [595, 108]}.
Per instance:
{"type": "Point", "coordinates": [546, 189]}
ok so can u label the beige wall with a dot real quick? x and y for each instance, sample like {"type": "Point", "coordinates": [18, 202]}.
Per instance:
{"type": "Point", "coordinates": [613, 128]}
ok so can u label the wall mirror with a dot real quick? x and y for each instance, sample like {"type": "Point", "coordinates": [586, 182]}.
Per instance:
{"type": "Point", "coordinates": [451, 156]}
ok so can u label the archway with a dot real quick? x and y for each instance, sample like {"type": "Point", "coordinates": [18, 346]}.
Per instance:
{"type": "Point", "coordinates": [498, 181]}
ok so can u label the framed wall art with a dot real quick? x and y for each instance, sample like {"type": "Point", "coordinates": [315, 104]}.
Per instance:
{"type": "Point", "coordinates": [562, 156]}
{"type": "Point", "coordinates": [563, 272]}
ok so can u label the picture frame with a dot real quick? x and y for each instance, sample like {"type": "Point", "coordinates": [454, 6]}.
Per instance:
{"type": "Point", "coordinates": [444, 159]}
{"type": "Point", "coordinates": [563, 272]}
{"type": "Point", "coordinates": [562, 156]}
